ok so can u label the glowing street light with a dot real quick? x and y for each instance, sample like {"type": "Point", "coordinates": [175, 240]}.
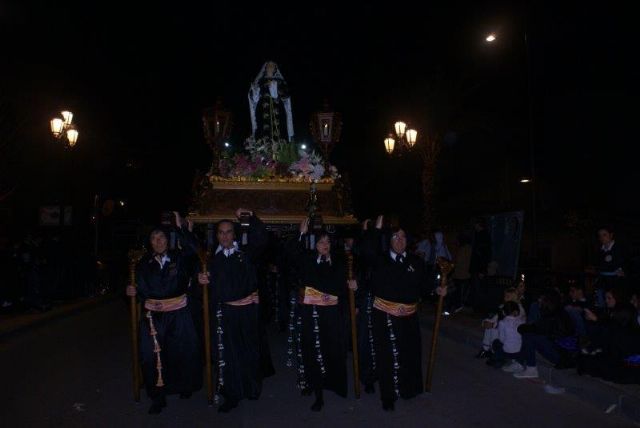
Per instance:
{"type": "Point", "coordinates": [405, 138]}
{"type": "Point", "coordinates": [64, 129]}
{"type": "Point", "coordinates": [389, 144]}
{"type": "Point", "coordinates": [491, 38]}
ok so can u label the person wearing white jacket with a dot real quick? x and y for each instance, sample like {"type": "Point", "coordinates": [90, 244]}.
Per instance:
{"type": "Point", "coordinates": [490, 325]}
{"type": "Point", "coordinates": [507, 346]}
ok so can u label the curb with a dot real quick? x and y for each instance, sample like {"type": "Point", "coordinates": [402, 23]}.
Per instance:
{"type": "Point", "coordinates": [21, 323]}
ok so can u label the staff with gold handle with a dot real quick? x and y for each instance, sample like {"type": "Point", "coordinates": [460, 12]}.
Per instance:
{"type": "Point", "coordinates": [445, 268]}
{"type": "Point", "coordinates": [203, 255]}
{"type": "Point", "coordinates": [354, 334]}
{"type": "Point", "coordinates": [134, 258]}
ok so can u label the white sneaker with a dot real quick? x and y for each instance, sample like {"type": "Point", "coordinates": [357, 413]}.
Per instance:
{"type": "Point", "coordinates": [514, 367]}
{"type": "Point", "coordinates": [527, 373]}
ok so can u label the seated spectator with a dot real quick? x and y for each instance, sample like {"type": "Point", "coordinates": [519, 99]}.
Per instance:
{"type": "Point", "coordinates": [506, 348]}
{"type": "Point", "coordinates": [620, 344]}
{"type": "Point", "coordinates": [598, 321]}
{"type": "Point", "coordinates": [575, 306]}
{"type": "Point", "coordinates": [544, 336]}
{"type": "Point", "coordinates": [490, 324]}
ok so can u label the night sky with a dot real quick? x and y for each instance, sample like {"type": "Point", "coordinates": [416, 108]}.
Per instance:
{"type": "Point", "coordinates": [137, 79]}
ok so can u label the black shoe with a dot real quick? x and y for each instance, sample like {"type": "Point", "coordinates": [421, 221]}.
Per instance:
{"type": "Point", "coordinates": [483, 354]}
{"type": "Point", "coordinates": [369, 388]}
{"type": "Point", "coordinates": [227, 406]}
{"type": "Point", "coordinates": [157, 406]}
{"type": "Point", "coordinates": [185, 395]}
{"type": "Point", "coordinates": [317, 405]}
{"type": "Point", "coordinates": [388, 406]}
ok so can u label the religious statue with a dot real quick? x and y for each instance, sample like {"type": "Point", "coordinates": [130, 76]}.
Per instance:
{"type": "Point", "coordinates": [270, 108]}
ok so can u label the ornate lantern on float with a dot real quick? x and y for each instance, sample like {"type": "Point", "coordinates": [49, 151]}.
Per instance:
{"type": "Point", "coordinates": [217, 123]}
{"type": "Point", "coordinates": [326, 127]}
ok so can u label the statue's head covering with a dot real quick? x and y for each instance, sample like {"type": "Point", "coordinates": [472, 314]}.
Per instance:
{"type": "Point", "coordinates": [263, 72]}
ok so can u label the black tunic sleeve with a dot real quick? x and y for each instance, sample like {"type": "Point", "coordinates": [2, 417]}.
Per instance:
{"type": "Point", "coordinates": [258, 239]}
{"type": "Point", "coordinates": [369, 248]}
{"type": "Point", "coordinates": [188, 242]}
{"type": "Point", "coordinates": [142, 286]}
{"type": "Point", "coordinates": [295, 251]}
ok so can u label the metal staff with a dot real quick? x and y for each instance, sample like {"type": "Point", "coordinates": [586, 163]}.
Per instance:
{"type": "Point", "coordinates": [354, 334]}
{"type": "Point", "coordinates": [134, 258]}
{"type": "Point", "coordinates": [445, 267]}
{"type": "Point", "coordinates": [204, 256]}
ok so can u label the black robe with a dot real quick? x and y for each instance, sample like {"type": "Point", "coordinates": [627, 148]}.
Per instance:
{"type": "Point", "coordinates": [271, 117]}
{"type": "Point", "coordinates": [364, 319]}
{"type": "Point", "coordinates": [330, 278]}
{"type": "Point", "coordinates": [400, 283]}
{"type": "Point", "coordinates": [176, 333]}
{"type": "Point", "coordinates": [246, 352]}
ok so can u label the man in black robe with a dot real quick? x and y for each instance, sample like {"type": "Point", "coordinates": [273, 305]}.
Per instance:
{"type": "Point", "coordinates": [240, 346]}
{"type": "Point", "coordinates": [398, 280]}
{"type": "Point", "coordinates": [322, 346]}
{"type": "Point", "coordinates": [169, 346]}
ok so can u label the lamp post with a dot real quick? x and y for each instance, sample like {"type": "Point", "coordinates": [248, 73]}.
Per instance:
{"type": "Point", "coordinates": [65, 131]}
{"type": "Point", "coordinates": [491, 38]}
{"type": "Point", "coordinates": [405, 140]}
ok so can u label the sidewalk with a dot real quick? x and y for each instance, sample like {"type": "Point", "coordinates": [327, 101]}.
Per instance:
{"type": "Point", "coordinates": [464, 327]}
{"type": "Point", "coordinates": [13, 323]}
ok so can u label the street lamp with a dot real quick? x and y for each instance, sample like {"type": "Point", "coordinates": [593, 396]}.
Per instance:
{"type": "Point", "coordinates": [403, 140]}
{"type": "Point", "coordinates": [63, 129]}
{"type": "Point", "coordinates": [389, 144]}
{"type": "Point", "coordinates": [491, 38]}
{"type": "Point", "coordinates": [525, 180]}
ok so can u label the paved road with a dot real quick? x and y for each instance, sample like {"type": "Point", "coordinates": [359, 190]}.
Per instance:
{"type": "Point", "coordinates": [75, 372]}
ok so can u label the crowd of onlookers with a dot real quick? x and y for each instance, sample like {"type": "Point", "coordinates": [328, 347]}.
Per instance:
{"type": "Point", "coordinates": [43, 267]}
{"type": "Point", "coordinates": [593, 326]}
{"type": "Point", "coordinates": [596, 331]}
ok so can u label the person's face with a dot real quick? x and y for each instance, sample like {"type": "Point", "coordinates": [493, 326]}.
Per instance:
{"type": "Point", "coordinates": [605, 237]}
{"type": "Point", "coordinates": [611, 301]}
{"type": "Point", "coordinates": [510, 297]}
{"type": "Point", "coordinates": [399, 242]}
{"type": "Point", "coordinates": [270, 69]}
{"type": "Point", "coordinates": [348, 243]}
{"type": "Point", "coordinates": [576, 293]}
{"type": "Point", "coordinates": [521, 288]}
{"type": "Point", "coordinates": [159, 242]}
{"type": "Point", "coordinates": [225, 235]}
{"type": "Point", "coordinates": [634, 301]}
{"type": "Point", "coordinates": [323, 246]}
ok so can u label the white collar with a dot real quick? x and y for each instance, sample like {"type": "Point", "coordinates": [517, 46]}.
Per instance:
{"type": "Point", "coordinates": [394, 255]}
{"type": "Point", "coordinates": [608, 247]}
{"type": "Point", "coordinates": [227, 251]}
{"type": "Point", "coordinates": [164, 259]}
{"type": "Point", "coordinates": [328, 259]}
